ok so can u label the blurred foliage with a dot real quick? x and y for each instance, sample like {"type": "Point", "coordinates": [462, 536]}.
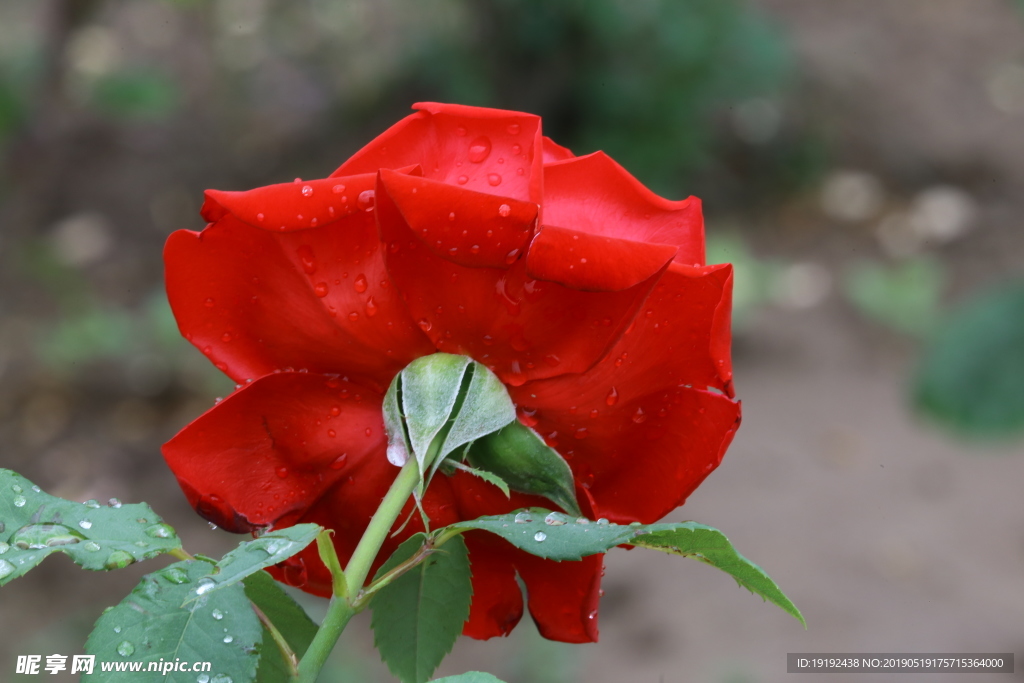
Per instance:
{"type": "Point", "coordinates": [972, 373]}
{"type": "Point", "coordinates": [903, 296]}
{"type": "Point", "coordinates": [754, 279]}
{"type": "Point", "coordinates": [641, 79]}
{"type": "Point", "coordinates": [135, 94]}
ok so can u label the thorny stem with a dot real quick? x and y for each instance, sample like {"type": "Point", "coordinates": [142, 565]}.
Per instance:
{"type": "Point", "coordinates": [341, 610]}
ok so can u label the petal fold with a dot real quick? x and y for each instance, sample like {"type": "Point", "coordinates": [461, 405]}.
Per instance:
{"type": "Point", "coordinates": [594, 194]}
{"type": "Point", "coordinates": [594, 263]}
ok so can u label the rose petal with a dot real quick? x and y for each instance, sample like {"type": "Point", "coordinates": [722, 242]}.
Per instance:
{"type": "Point", "coordinates": [255, 301]}
{"type": "Point", "coordinates": [497, 600]}
{"type": "Point", "coordinates": [265, 453]}
{"type": "Point", "coordinates": [563, 596]}
{"type": "Point", "coordinates": [466, 227]}
{"type": "Point", "coordinates": [519, 327]}
{"type": "Point", "coordinates": [555, 152]}
{"type": "Point", "coordinates": [594, 263]}
{"type": "Point", "coordinates": [639, 429]}
{"type": "Point", "coordinates": [594, 194]}
{"type": "Point", "coordinates": [487, 150]}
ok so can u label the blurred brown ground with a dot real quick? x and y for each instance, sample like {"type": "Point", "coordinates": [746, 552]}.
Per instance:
{"type": "Point", "coordinates": [889, 534]}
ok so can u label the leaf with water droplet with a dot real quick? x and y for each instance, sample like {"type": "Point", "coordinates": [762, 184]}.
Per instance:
{"type": "Point", "coordinates": [251, 556]}
{"type": "Point", "coordinates": [151, 624]}
{"type": "Point", "coordinates": [575, 541]}
{"type": "Point", "coordinates": [37, 525]}
{"type": "Point", "coordinates": [418, 616]}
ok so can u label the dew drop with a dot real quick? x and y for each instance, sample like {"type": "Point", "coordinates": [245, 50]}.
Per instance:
{"type": "Point", "coordinates": [307, 190]}
{"type": "Point", "coordinates": [217, 614]}
{"type": "Point", "coordinates": [209, 302]}
{"type": "Point", "coordinates": [221, 678]}
{"type": "Point", "coordinates": [119, 559]}
{"type": "Point", "coordinates": [581, 433]}
{"type": "Point", "coordinates": [493, 179]}
{"type": "Point", "coordinates": [513, 129]}
{"type": "Point", "coordinates": [539, 536]}
{"type": "Point", "coordinates": [260, 217]}
{"type": "Point", "coordinates": [353, 316]}
{"type": "Point", "coordinates": [612, 398]}
{"type": "Point", "coordinates": [479, 149]}
{"type": "Point", "coordinates": [205, 586]}
{"type": "Point", "coordinates": [523, 518]}
{"type": "Point", "coordinates": [339, 462]}
{"type": "Point", "coordinates": [202, 678]}
{"type": "Point", "coordinates": [85, 524]}
{"type": "Point", "coordinates": [19, 501]}
{"type": "Point", "coordinates": [371, 308]}
{"type": "Point", "coordinates": [125, 649]}
{"type": "Point", "coordinates": [462, 179]}
{"type": "Point", "coordinates": [320, 289]}
{"type": "Point", "coordinates": [504, 210]}
{"type": "Point", "coordinates": [338, 189]}
{"type": "Point", "coordinates": [226, 337]}
{"type": "Point", "coordinates": [511, 256]}
{"type": "Point", "coordinates": [4, 547]}
{"type": "Point", "coordinates": [114, 503]}
{"type": "Point", "coordinates": [160, 531]}
{"type": "Point", "coordinates": [425, 325]}
{"type": "Point", "coordinates": [228, 638]}
{"type": "Point", "coordinates": [176, 575]}
{"type": "Point", "coordinates": [602, 522]}
{"type": "Point", "coordinates": [331, 433]}
{"type": "Point", "coordinates": [554, 519]}
{"type": "Point", "coordinates": [366, 200]}
{"type": "Point", "coordinates": [282, 472]}
{"type": "Point", "coordinates": [582, 521]}
{"type": "Point", "coordinates": [6, 569]}
{"type": "Point", "coordinates": [639, 416]}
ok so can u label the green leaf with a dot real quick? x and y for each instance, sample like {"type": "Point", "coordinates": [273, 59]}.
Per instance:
{"type": "Point", "coordinates": [251, 556]}
{"type": "Point", "coordinates": [973, 369]}
{"type": "Point", "coordinates": [555, 536]}
{"type": "Point", "coordinates": [486, 408]}
{"type": "Point", "coordinates": [418, 616]}
{"type": "Point", "coordinates": [521, 458]}
{"type": "Point", "coordinates": [489, 477]}
{"type": "Point", "coordinates": [34, 524]}
{"type": "Point", "coordinates": [151, 626]}
{"type": "Point", "coordinates": [289, 619]}
{"type": "Point", "coordinates": [469, 677]}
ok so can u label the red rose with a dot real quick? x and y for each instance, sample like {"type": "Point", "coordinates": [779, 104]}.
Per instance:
{"type": "Point", "coordinates": [460, 230]}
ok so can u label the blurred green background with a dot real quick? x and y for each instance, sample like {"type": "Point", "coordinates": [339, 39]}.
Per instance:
{"type": "Point", "coordinates": [861, 164]}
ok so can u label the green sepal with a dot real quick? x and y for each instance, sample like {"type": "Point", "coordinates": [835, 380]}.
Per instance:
{"type": "Point", "coordinates": [522, 460]}
{"type": "Point", "coordinates": [34, 525]}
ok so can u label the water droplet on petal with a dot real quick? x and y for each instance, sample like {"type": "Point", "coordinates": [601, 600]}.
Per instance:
{"type": "Point", "coordinates": [359, 284]}
{"type": "Point", "coordinates": [479, 149]}
{"type": "Point", "coordinates": [339, 462]}
{"type": "Point", "coordinates": [493, 179]}
{"type": "Point", "coordinates": [639, 416]}
{"type": "Point", "coordinates": [209, 302]}
{"type": "Point", "coordinates": [282, 472]}
{"type": "Point", "coordinates": [366, 200]}
{"type": "Point", "coordinates": [338, 189]}
{"type": "Point", "coordinates": [511, 256]}
{"type": "Point", "coordinates": [504, 210]}
{"type": "Point", "coordinates": [371, 308]}
{"type": "Point", "coordinates": [513, 129]}
{"type": "Point", "coordinates": [320, 289]}
{"type": "Point", "coordinates": [612, 398]}
{"type": "Point", "coordinates": [260, 217]}
{"type": "Point", "coordinates": [581, 433]}
{"type": "Point", "coordinates": [539, 536]}
{"type": "Point", "coordinates": [462, 179]}
{"type": "Point", "coordinates": [125, 649]}
{"type": "Point", "coordinates": [307, 191]}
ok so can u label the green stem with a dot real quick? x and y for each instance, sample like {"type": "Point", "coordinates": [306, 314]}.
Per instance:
{"type": "Point", "coordinates": [340, 611]}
